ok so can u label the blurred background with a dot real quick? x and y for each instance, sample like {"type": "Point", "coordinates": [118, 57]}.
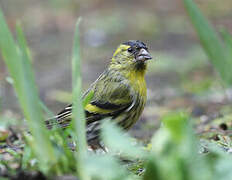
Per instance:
{"type": "Point", "coordinates": [179, 76]}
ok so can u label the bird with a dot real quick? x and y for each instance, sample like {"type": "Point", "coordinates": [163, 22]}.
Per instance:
{"type": "Point", "coordinates": [119, 93]}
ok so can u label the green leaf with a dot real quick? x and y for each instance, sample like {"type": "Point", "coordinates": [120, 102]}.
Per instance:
{"type": "Point", "coordinates": [152, 170]}
{"type": "Point", "coordinates": [105, 167]}
{"type": "Point", "coordinates": [174, 151]}
{"type": "Point", "coordinates": [120, 142]}
{"type": "Point", "coordinates": [78, 112]}
{"type": "Point", "coordinates": [176, 124]}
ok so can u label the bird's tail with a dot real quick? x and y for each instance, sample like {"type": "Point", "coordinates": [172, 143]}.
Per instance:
{"type": "Point", "coordinates": [50, 123]}
{"type": "Point", "coordinates": [61, 120]}
{"type": "Point", "coordinates": [57, 122]}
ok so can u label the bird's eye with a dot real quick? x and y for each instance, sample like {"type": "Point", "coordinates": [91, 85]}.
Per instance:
{"type": "Point", "coordinates": [130, 50]}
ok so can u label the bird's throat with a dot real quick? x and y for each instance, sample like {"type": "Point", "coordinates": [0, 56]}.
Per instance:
{"type": "Point", "coordinates": [141, 66]}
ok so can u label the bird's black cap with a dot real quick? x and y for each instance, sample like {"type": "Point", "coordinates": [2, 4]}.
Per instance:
{"type": "Point", "coordinates": [135, 44]}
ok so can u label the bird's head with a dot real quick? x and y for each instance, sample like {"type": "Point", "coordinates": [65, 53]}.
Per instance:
{"type": "Point", "coordinates": [131, 54]}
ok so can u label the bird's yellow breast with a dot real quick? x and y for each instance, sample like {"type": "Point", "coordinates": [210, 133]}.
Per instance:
{"type": "Point", "coordinates": [137, 81]}
{"type": "Point", "coordinates": [138, 84]}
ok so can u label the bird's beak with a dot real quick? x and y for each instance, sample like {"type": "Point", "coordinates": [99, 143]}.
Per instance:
{"type": "Point", "coordinates": [143, 55]}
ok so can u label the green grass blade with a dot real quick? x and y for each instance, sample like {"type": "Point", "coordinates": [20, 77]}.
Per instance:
{"type": "Point", "coordinates": [228, 41]}
{"type": "Point", "coordinates": [37, 124]}
{"type": "Point", "coordinates": [46, 110]}
{"type": "Point", "coordinates": [26, 55]}
{"type": "Point", "coordinates": [78, 112]}
{"type": "Point", "coordinates": [210, 41]}
{"type": "Point", "coordinates": [18, 64]}
{"type": "Point", "coordinates": [87, 98]}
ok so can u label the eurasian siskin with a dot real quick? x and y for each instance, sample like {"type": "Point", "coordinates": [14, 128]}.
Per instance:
{"type": "Point", "coordinates": [119, 93]}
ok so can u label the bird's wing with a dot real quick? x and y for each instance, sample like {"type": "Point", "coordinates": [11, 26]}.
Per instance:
{"type": "Point", "coordinates": [111, 96]}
